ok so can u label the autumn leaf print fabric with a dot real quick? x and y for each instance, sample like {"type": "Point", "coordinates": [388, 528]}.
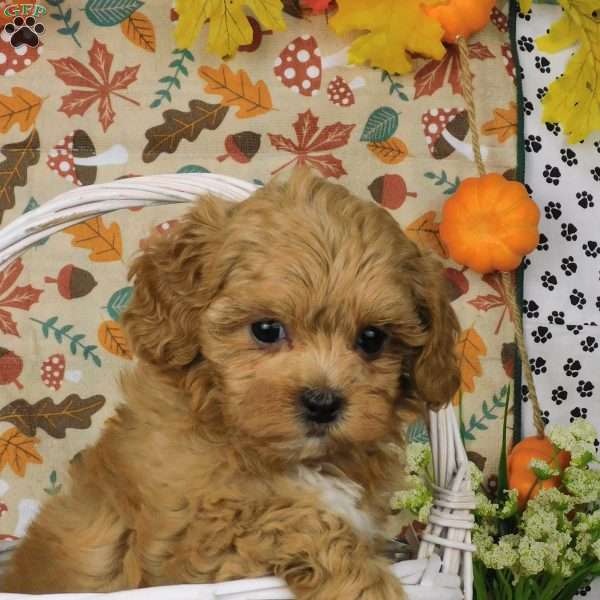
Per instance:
{"type": "Point", "coordinates": [108, 95]}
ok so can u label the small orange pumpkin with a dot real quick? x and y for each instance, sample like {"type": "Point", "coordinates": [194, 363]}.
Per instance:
{"type": "Point", "coordinates": [490, 223]}
{"type": "Point", "coordinates": [461, 18]}
{"type": "Point", "coordinates": [522, 478]}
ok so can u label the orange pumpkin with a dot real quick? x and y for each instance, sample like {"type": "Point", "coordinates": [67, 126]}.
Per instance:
{"type": "Point", "coordinates": [490, 223]}
{"type": "Point", "coordinates": [461, 18]}
{"type": "Point", "coordinates": [522, 478]}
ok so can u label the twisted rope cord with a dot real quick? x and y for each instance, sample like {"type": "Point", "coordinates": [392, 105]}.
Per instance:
{"type": "Point", "coordinates": [508, 282]}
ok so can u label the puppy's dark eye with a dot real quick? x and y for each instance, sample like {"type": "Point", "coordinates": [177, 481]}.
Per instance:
{"type": "Point", "coordinates": [370, 340]}
{"type": "Point", "coordinates": [268, 331]}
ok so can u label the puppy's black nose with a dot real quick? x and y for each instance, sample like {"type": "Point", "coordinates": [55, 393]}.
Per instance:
{"type": "Point", "coordinates": [321, 405]}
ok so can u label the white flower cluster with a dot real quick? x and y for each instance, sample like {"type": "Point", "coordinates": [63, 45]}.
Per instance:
{"type": "Point", "coordinates": [560, 528]}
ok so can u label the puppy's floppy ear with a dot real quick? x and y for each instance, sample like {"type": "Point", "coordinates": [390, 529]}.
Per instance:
{"type": "Point", "coordinates": [172, 287]}
{"type": "Point", "coordinates": [436, 375]}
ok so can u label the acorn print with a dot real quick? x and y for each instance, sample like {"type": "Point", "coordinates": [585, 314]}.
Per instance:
{"type": "Point", "coordinates": [390, 191]}
{"type": "Point", "coordinates": [241, 146]}
{"type": "Point", "coordinates": [11, 366]}
{"type": "Point", "coordinates": [73, 282]}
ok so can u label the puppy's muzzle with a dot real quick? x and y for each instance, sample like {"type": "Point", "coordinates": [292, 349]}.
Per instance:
{"type": "Point", "coordinates": [321, 406]}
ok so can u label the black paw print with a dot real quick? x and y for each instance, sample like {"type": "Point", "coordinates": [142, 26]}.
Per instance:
{"type": "Point", "coordinates": [553, 210]}
{"type": "Point", "coordinates": [591, 249]}
{"type": "Point", "coordinates": [568, 156]}
{"type": "Point", "coordinates": [568, 231]}
{"type": "Point", "coordinates": [546, 417]}
{"type": "Point", "coordinates": [527, 107]}
{"type": "Point", "coordinates": [543, 244]}
{"type": "Point", "coordinates": [577, 299]}
{"type": "Point", "coordinates": [541, 335]}
{"type": "Point", "coordinates": [531, 309]}
{"type": "Point", "coordinates": [525, 44]}
{"type": "Point", "coordinates": [578, 413]}
{"type": "Point", "coordinates": [528, 188]}
{"type": "Point", "coordinates": [585, 390]}
{"type": "Point", "coordinates": [556, 317]}
{"type": "Point", "coordinates": [553, 128]}
{"type": "Point", "coordinates": [526, 262]}
{"type": "Point", "coordinates": [549, 281]}
{"type": "Point", "coordinates": [585, 199]}
{"type": "Point", "coordinates": [533, 143]}
{"type": "Point", "coordinates": [559, 395]}
{"type": "Point", "coordinates": [525, 16]}
{"type": "Point", "coordinates": [542, 64]}
{"type": "Point", "coordinates": [595, 173]}
{"type": "Point", "coordinates": [590, 344]}
{"type": "Point", "coordinates": [568, 265]}
{"type": "Point", "coordinates": [538, 365]}
{"type": "Point", "coordinates": [24, 32]}
{"type": "Point", "coordinates": [575, 329]}
{"type": "Point", "coordinates": [552, 174]}
{"type": "Point", "coordinates": [597, 146]}
{"type": "Point", "coordinates": [584, 591]}
{"type": "Point", "coordinates": [524, 393]}
{"type": "Point", "coordinates": [598, 302]}
{"type": "Point", "coordinates": [541, 92]}
{"type": "Point", "coordinates": [572, 367]}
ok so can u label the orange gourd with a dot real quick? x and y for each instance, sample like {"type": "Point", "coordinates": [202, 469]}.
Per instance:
{"type": "Point", "coordinates": [490, 223]}
{"type": "Point", "coordinates": [522, 478]}
{"type": "Point", "coordinates": [461, 18]}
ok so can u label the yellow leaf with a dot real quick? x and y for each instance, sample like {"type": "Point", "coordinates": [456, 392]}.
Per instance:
{"type": "Point", "coordinates": [228, 23]}
{"type": "Point", "coordinates": [17, 451]}
{"type": "Point", "coordinates": [504, 123]}
{"type": "Point", "coordinates": [469, 349]}
{"type": "Point", "coordinates": [390, 152]}
{"type": "Point", "coordinates": [573, 100]}
{"type": "Point", "coordinates": [394, 29]}
{"type": "Point", "coordinates": [21, 108]}
{"type": "Point", "coordinates": [138, 29]}
{"type": "Point", "coordinates": [237, 89]}
{"type": "Point", "coordinates": [426, 232]}
{"type": "Point", "coordinates": [104, 242]}
{"type": "Point", "coordinates": [525, 6]}
{"type": "Point", "coordinates": [112, 339]}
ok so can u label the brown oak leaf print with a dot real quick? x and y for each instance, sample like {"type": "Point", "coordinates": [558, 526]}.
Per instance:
{"type": "Point", "coordinates": [311, 142]}
{"type": "Point", "coordinates": [13, 171]}
{"type": "Point", "coordinates": [435, 73]}
{"type": "Point", "coordinates": [14, 296]}
{"type": "Point", "coordinates": [97, 83]}
{"type": "Point", "coordinates": [73, 412]}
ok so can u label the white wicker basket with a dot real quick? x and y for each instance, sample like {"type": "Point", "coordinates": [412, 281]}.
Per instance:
{"type": "Point", "coordinates": [443, 569]}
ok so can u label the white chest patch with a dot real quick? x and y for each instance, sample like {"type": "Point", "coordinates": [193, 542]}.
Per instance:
{"type": "Point", "coordinates": [341, 496]}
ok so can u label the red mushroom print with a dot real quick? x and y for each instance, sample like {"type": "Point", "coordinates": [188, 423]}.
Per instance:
{"type": "Point", "coordinates": [445, 132]}
{"type": "Point", "coordinates": [340, 92]}
{"type": "Point", "coordinates": [299, 66]}
{"type": "Point", "coordinates": [499, 19]}
{"type": "Point", "coordinates": [11, 367]}
{"type": "Point", "coordinates": [75, 158]}
{"type": "Point", "coordinates": [52, 371]}
{"type": "Point", "coordinates": [73, 282]}
{"type": "Point", "coordinates": [13, 60]}
{"type": "Point", "coordinates": [507, 59]}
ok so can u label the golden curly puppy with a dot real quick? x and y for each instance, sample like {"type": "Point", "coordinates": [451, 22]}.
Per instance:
{"type": "Point", "coordinates": [281, 342]}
